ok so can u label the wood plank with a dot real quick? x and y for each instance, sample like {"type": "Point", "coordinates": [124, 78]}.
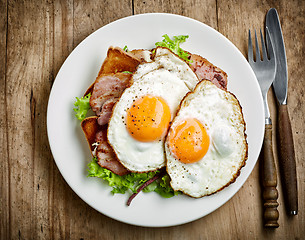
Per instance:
{"type": "Point", "coordinates": [57, 37]}
{"type": "Point", "coordinates": [204, 11]}
{"type": "Point", "coordinates": [20, 142]}
{"type": "Point", "coordinates": [29, 79]}
{"type": "Point", "coordinates": [61, 37]}
{"type": "Point", "coordinates": [4, 156]}
{"type": "Point", "coordinates": [90, 16]}
{"type": "Point", "coordinates": [42, 44]}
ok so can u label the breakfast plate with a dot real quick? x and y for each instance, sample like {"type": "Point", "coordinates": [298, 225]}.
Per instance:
{"type": "Point", "coordinates": [67, 141]}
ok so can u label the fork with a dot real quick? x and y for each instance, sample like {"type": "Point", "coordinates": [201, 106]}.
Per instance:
{"type": "Point", "coordinates": [264, 70]}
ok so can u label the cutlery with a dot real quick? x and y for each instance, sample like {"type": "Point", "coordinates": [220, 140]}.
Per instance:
{"type": "Point", "coordinates": [265, 72]}
{"type": "Point", "coordinates": [287, 163]}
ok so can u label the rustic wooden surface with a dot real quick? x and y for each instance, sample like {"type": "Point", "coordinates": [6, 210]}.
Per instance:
{"type": "Point", "coordinates": [35, 39]}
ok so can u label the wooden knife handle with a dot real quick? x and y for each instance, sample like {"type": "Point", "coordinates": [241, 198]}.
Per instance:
{"type": "Point", "coordinates": [287, 162]}
{"type": "Point", "coordinates": [269, 181]}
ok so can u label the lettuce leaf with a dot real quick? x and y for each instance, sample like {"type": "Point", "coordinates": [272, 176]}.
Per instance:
{"type": "Point", "coordinates": [132, 181]}
{"type": "Point", "coordinates": [174, 45]}
{"type": "Point", "coordinates": [164, 188]}
{"type": "Point", "coordinates": [82, 106]}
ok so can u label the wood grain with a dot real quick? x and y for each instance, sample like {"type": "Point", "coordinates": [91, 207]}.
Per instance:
{"type": "Point", "coordinates": [36, 202]}
{"type": "Point", "coordinates": [268, 178]}
{"type": "Point", "coordinates": [4, 163]}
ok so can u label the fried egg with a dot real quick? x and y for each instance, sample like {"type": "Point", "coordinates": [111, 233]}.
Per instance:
{"type": "Point", "coordinates": [206, 144]}
{"type": "Point", "coordinates": [141, 118]}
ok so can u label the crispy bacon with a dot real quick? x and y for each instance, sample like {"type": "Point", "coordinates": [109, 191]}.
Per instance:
{"type": "Point", "coordinates": [106, 91]}
{"type": "Point", "coordinates": [206, 70]}
{"type": "Point", "coordinates": [106, 111]}
{"type": "Point", "coordinates": [105, 155]}
{"type": "Point", "coordinates": [96, 133]}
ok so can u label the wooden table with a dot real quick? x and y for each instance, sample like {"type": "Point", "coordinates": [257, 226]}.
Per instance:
{"type": "Point", "coordinates": [35, 39]}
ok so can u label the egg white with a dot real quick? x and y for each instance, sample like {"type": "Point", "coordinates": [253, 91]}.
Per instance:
{"type": "Point", "coordinates": [220, 113]}
{"type": "Point", "coordinates": [168, 77]}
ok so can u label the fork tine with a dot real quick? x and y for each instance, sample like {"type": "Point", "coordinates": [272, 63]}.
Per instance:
{"type": "Point", "coordinates": [264, 51]}
{"type": "Point", "coordinates": [258, 56]}
{"type": "Point", "coordinates": [250, 48]}
{"type": "Point", "coordinates": [269, 45]}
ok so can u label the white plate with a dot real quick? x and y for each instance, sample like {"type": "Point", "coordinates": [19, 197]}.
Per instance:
{"type": "Point", "coordinates": [68, 144]}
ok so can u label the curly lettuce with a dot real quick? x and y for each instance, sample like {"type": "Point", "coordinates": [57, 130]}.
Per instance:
{"type": "Point", "coordinates": [174, 45]}
{"type": "Point", "coordinates": [132, 181]}
{"type": "Point", "coordinates": [82, 106]}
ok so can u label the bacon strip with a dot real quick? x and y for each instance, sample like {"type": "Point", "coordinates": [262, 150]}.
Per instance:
{"type": "Point", "coordinates": [106, 111]}
{"type": "Point", "coordinates": [206, 70]}
{"type": "Point", "coordinates": [105, 155]}
{"type": "Point", "coordinates": [98, 134]}
{"type": "Point", "coordinates": [106, 91]}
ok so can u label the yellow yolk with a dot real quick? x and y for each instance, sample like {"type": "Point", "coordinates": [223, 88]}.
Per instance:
{"type": "Point", "coordinates": [189, 141]}
{"type": "Point", "coordinates": [148, 118]}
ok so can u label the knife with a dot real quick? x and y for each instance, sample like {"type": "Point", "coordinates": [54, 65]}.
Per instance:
{"type": "Point", "coordinates": [287, 163]}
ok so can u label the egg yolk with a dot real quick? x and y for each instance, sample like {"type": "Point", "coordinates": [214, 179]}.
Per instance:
{"type": "Point", "coordinates": [148, 118]}
{"type": "Point", "coordinates": [189, 141]}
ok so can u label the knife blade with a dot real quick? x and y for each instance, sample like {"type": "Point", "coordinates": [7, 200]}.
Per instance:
{"type": "Point", "coordinates": [287, 163]}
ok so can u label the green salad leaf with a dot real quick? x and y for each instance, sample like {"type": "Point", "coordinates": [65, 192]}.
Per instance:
{"type": "Point", "coordinates": [174, 45]}
{"type": "Point", "coordinates": [164, 188]}
{"type": "Point", "coordinates": [131, 181]}
{"type": "Point", "coordinates": [82, 106]}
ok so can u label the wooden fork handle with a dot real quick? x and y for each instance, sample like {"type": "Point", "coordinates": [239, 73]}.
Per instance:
{"type": "Point", "coordinates": [269, 181]}
{"type": "Point", "coordinates": [287, 163]}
